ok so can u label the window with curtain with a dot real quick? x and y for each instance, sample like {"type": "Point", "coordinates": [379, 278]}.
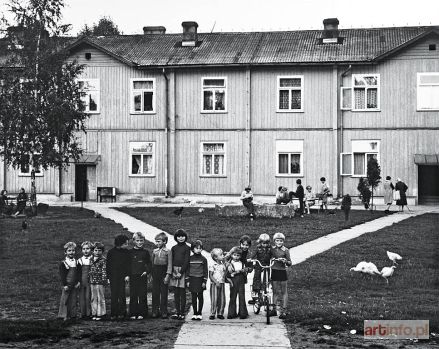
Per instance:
{"type": "Point", "coordinates": [289, 163]}
{"type": "Point", "coordinates": [428, 91]}
{"type": "Point", "coordinates": [366, 91]}
{"type": "Point", "coordinates": [213, 159]}
{"type": "Point", "coordinates": [214, 94]}
{"type": "Point", "coordinates": [90, 94]}
{"type": "Point", "coordinates": [360, 163]}
{"type": "Point", "coordinates": [142, 158]}
{"type": "Point", "coordinates": [143, 95]}
{"type": "Point", "coordinates": [289, 157]}
{"type": "Point", "coordinates": [290, 93]}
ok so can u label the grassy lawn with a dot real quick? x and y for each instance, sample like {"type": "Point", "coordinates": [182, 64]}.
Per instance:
{"type": "Point", "coordinates": [323, 291]}
{"type": "Point", "coordinates": [224, 232]}
{"type": "Point", "coordinates": [30, 286]}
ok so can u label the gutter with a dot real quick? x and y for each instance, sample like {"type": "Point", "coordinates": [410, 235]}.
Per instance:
{"type": "Point", "coordinates": [166, 132]}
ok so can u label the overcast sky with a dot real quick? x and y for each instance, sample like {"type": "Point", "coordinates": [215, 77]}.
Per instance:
{"type": "Point", "coordinates": [250, 15]}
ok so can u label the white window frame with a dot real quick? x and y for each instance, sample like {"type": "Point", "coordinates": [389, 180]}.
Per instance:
{"type": "Point", "coordinates": [349, 99]}
{"type": "Point", "coordinates": [290, 147]}
{"type": "Point", "coordinates": [141, 153]}
{"type": "Point", "coordinates": [361, 147]}
{"type": "Point", "coordinates": [213, 90]}
{"type": "Point", "coordinates": [203, 152]}
{"type": "Point", "coordinates": [97, 84]}
{"type": "Point", "coordinates": [419, 85]}
{"type": "Point", "coordinates": [141, 91]}
{"type": "Point", "coordinates": [28, 174]}
{"type": "Point", "coordinates": [366, 87]}
{"type": "Point", "coordinates": [279, 88]}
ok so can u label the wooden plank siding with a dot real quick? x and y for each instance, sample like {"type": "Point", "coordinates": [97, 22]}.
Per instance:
{"type": "Point", "coordinates": [397, 150]}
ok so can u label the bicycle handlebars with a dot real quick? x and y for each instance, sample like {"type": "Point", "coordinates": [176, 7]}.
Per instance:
{"type": "Point", "coordinates": [255, 261]}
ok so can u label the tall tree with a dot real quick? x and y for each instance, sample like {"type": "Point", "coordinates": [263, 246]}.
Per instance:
{"type": "Point", "coordinates": [41, 110]}
{"type": "Point", "coordinates": [105, 27]}
{"type": "Point", "coordinates": [373, 174]}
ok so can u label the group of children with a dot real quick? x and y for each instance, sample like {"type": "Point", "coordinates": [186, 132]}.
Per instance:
{"type": "Point", "coordinates": [177, 269]}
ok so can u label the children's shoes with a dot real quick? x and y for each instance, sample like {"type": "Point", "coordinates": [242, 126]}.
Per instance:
{"type": "Point", "coordinates": [194, 317]}
{"type": "Point", "coordinates": [212, 317]}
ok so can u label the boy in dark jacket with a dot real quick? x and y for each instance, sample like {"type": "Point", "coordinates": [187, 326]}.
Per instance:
{"type": "Point", "coordinates": [118, 260]}
{"type": "Point", "coordinates": [140, 266]}
{"type": "Point", "coordinates": [300, 195]}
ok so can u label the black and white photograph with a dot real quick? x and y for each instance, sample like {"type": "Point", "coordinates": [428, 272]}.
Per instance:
{"type": "Point", "coordinates": [203, 174]}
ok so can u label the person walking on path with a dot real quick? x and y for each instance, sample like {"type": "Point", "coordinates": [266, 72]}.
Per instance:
{"type": "Point", "coordinates": [388, 192]}
{"type": "Point", "coordinates": [401, 188]}
{"type": "Point", "coordinates": [247, 201]}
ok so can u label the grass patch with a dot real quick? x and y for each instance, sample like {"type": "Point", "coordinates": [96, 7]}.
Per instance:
{"type": "Point", "coordinates": [323, 291]}
{"type": "Point", "coordinates": [17, 331]}
{"type": "Point", "coordinates": [30, 287]}
{"type": "Point", "coordinates": [224, 232]}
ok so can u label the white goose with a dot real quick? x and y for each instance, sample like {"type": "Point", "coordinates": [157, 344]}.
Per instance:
{"type": "Point", "coordinates": [361, 267]}
{"type": "Point", "coordinates": [394, 257]}
{"type": "Point", "coordinates": [372, 269]}
{"type": "Point", "coordinates": [387, 272]}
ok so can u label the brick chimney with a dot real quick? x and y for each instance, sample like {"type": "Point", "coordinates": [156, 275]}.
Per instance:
{"type": "Point", "coordinates": [330, 28]}
{"type": "Point", "coordinates": [154, 30]}
{"type": "Point", "coordinates": [189, 34]}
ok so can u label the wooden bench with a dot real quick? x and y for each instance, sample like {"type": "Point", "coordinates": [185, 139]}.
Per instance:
{"type": "Point", "coordinates": [106, 192]}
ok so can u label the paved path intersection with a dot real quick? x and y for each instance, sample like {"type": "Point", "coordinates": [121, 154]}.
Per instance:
{"type": "Point", "coordinates": [251, 332]}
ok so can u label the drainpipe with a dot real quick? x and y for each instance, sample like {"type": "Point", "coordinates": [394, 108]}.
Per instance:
{"type": "Point", "coordinates": [166, 131]}
{"type": "Point", "coordinates": [248, 125]}
{"type": "Point", "coordinates": [341, 123]}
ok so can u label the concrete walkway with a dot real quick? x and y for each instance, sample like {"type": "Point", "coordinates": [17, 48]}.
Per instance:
{"type": "Point", "coordinates": [251, 332]}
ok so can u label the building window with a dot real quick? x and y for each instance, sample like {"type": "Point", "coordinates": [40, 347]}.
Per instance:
{"type": "Point", "coordinates": [213, 159]}
{"type": "Point", "coordinates": [366, 90]}
{"type": "Point", "coordinates": [90, 95]}
{"type": "Point", "coordinates": [428, 91]}
{"type": "Point", "coordinates": [355, 163]}
{"type": "Point", "coordinates": [214, 97]}
{"type": "Point", "coordinates": [28, 164]}
{"type": "Point", "coordinates": [142, 158]}
{"type": "Point", "coordinates": [142, 96]}
{"type": "Point", "coordinates": [290, 93]}
{"type": "Point", "coordinates": [289, 158]}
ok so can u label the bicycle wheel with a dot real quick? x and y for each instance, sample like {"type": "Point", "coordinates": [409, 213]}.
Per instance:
{"type": "Point", "coordinates": [267, 309]}
{"type": "Point", "coordinates": [259, 302]}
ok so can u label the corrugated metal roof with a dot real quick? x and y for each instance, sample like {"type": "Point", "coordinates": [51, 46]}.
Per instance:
{"type": "Point", "coordinates": [284, 47]}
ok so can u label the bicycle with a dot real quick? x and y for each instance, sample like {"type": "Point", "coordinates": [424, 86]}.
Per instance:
{"type": "Point", "coordinates": [264, 297]}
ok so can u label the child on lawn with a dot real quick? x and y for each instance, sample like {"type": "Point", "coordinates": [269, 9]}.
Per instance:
{"type": "Point", "coordinates": [98, 279]}
{"type": "Point", "coordinates": [237, 272]}
{"type": "Point", "coordinates": [140, 263]}
{"type": "Point", "coordinates": [279, 273]}
{"type": "Point", "coordinates": [83, 265]}
{"type": "Point", "coordinates": [161, 274]}
{"type": "Point", "coordinates": [196, 278]}
{"type": "Point", "coordinates": [180, 262]}
{"type": "Point", "coordinates": [70, 283]}
{"type": "Point", "coordinates": [263, 255]}
{"type": "Point", "coordinates": [118, 263]}
{"type": "Point", "coordinates": [217, 276]}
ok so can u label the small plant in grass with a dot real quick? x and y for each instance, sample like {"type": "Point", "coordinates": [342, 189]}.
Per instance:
{"type": "Point", "coordinates": [373, 174]}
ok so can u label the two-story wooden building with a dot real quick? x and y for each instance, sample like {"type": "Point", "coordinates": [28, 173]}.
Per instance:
{"type": "Point", "coordinates": [209, 113]}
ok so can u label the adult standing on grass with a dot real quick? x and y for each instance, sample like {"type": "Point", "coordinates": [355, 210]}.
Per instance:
{"type": "Point", "coordinates": [247, 201]}
{"type": "Point", "coordinates": [401, 188]}
{"type": "Point", "coordinates": [388, 192]}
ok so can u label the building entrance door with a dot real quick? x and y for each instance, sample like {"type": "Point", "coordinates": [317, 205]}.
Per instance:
{"type": "Point", "coordinates": [428, 185]}
{"type": "Point", "coordinates": [81, 183]}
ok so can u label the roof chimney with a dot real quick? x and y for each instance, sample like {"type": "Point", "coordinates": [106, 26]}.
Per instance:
{"type": "Point", "coordinates": [330, 28]}
{"type": "Point", "coordinates": [154, 30]}
{"type": "Point", "coordinates": [189, 33]}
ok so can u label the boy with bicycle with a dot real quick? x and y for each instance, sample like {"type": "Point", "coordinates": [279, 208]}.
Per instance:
{"type": "Point", "coordinates": [279, 273]}
{"type": "Point", "coordinates": [263, 255]}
